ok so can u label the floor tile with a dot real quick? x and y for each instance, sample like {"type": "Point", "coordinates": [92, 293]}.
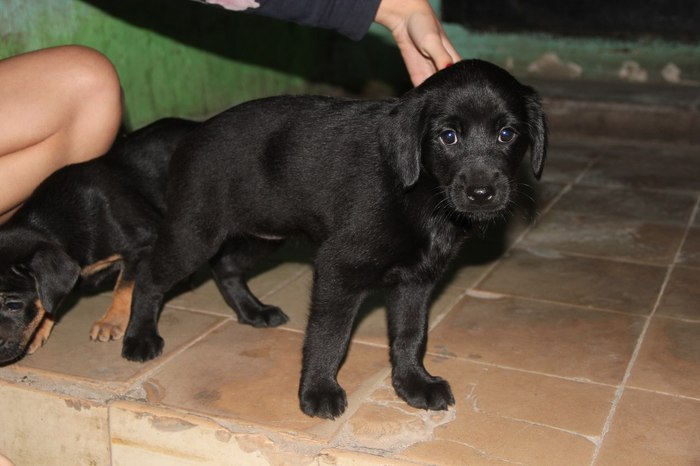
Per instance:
{"type": "Point", "coordinates": [605, 237]}
{"type": "Point", "coordinates": [682, 295]}
{"type": "Point", "coordinates": [690, 254]}
{"type": "Point", "coordinates": [569, 405]}
{"type": "Point", "coordinates": [545, 192]}
{"type": "Point", "coordinates": [469, 267]}
{"type": "Point", "coordinates": [671, 168]}
{"type": "Point", "coordinates": [650, 206]}
{"type": "Point", "coordinates": [44, 428]}
{"type": "Point", "coordinates": [338, 457]}
{"type": "Point", "coordinates": [669, 360]}
{"type": "Point", "coordinates": [484, 440]}
{"type": "Point", "coordinates": [582, 281]}
{"type": "Point", "coordinates": [565, 162]}
{"type": "Point", "coordinates": [542, 337]}
{"type": "Point", "coordinates": [522, 408]}
{"type": "Point", "coordinates": [651, 429]}
{"type": "Point", "coordinates": [252, 376]}
{"type": "Point", "coordinates": [69, 352]}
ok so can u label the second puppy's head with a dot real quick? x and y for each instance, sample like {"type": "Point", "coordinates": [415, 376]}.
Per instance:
{"type": "Point", "coordinates": [30, 288]}
{"type": "Point", "coordinates": [468, 128]}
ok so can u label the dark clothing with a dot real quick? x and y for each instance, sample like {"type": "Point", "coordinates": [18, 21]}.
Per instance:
{"type": "Point", "coordinates": [351, 18]}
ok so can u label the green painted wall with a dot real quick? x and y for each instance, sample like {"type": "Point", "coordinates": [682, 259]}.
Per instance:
{"type": "Point", "coordinates": [173, 57]}
{"type": "Point", "coordinates": [599, 59]}
{"type": "Point", "coordinates": [178, 57]}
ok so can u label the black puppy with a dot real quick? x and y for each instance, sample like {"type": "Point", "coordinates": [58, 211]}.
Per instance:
{"type": "Point", "coordinates": [90, 220]}
{"type": "Point", "coordinates": [387, 188]}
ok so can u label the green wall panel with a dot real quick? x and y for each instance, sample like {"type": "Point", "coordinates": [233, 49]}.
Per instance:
{"type": "Point", "coordinates": [173, 57]}
{"type": "Point", "coordinates": [179, 57]}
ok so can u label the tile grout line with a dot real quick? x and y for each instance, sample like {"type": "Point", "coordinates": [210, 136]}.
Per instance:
{"type": "Point", "coordinates": [590, 438]}
{"type": "Point", "coordinates": [142, 376]}
{"type": "Point", "coordinates": [616, 259]}
{"type": "Point", "coordinates": [503, 367]}
{"type": "Point", "coordinates": [296, 275]}
{"type": "Point", "coordinates": [635, 354]}
{"type": "Point", "coordinates": [581, 380]}
{"type": "Point", "coordinates": [672, 395]}
{"type": "Point", "coordinates": [482, 294]}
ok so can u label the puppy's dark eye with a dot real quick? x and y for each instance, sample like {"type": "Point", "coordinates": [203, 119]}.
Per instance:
{"type": "Point", "coordinates": [506, 135]}
{"type": "Point", "coordinates": [448, 137]}
{"type": "Point", "coordinates": [14, 305]}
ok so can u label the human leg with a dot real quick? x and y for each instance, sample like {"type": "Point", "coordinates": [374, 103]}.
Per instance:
{"type": "Point", "coordinates": [60, 106]}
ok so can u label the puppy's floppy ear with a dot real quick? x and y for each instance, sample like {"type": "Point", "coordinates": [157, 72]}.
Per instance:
{"type": "Point", "coordinates": [537, 127]}
{"type": "Point", "coordinates": [54, 273]}
{"type": "Point", "coordinates": [401, 137]}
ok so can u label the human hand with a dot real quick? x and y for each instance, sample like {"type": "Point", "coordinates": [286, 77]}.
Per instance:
{"type": "Point", "coordinates": [419, 35]}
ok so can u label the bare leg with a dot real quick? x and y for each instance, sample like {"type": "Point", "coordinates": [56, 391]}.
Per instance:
{"type": "Point", "coordinates": [59, 106]}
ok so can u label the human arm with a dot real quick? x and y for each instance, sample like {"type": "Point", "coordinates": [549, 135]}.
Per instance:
{"type": "Point", "coordinates": [414, 25]}
{"type": "Point", "coordinates": [350, 18]}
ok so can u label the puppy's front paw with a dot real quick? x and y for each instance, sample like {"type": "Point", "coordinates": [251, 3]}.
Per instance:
{"type": "Point", "coordinates": [41, 334]}
{"type": "Point", "coordinates": [326, 401]}
{"type": "Point", "coordinates": [425, 392]}
{"type": "Point", "coordinates": [269, 316]}
{"type": "Point", "coordinates": [142, 348]}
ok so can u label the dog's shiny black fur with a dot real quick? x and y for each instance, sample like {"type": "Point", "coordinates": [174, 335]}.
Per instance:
{"type": "Point", "coordinates": [81, 215]}
{"type": "Point", "coordinates": [383, 188]}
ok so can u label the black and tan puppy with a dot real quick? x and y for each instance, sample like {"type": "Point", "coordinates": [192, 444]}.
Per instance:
{"type": "Point", "coordinates": [90, 220]}
{"type": "Point", "coordinates": [387, 189]}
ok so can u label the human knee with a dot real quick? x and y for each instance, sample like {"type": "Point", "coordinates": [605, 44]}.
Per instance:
{"type": "Point", "coordinates": [88, 66]}
{"type": "Point", "coordinates": [96, 92]}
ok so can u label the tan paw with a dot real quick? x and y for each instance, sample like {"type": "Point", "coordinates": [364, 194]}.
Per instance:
{"type": "Point", "coordinates": [41, 335]}
{"type": "Point", "coordinates": [104, 330]}
{"type": "Point", "coordinates": [36, 343]}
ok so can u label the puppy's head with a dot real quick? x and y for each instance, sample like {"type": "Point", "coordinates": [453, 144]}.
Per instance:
{"type": "Point", "coordinates": [28, 290]}
{"type": "Point", "coordinates": [468, 128]}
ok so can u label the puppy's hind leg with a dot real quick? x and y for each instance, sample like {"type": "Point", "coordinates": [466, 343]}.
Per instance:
{"type": "Point", "coordinates": [228, 267]}
{"type": "Point", "coordinates": [112, 325]}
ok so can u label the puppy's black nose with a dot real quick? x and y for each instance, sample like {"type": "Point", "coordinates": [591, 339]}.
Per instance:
{"type": "Point", "coordinates": [480, 194]}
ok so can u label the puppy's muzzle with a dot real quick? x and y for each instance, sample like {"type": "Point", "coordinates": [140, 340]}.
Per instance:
{"type": "Point", "coordinates": [479, 195]}
{"type": "Point", "coordinates": [9, 350]}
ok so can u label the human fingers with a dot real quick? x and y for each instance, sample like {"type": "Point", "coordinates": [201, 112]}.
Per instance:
{"type": "Point", "coordinates": [429, 38]}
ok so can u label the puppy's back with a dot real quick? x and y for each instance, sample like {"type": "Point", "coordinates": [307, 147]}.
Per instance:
{"type": "Point", "coordinates": [286, 159]}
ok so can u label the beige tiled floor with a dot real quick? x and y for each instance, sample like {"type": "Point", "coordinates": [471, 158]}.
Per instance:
{"type": "Point", "coordinates": [573, 340]}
